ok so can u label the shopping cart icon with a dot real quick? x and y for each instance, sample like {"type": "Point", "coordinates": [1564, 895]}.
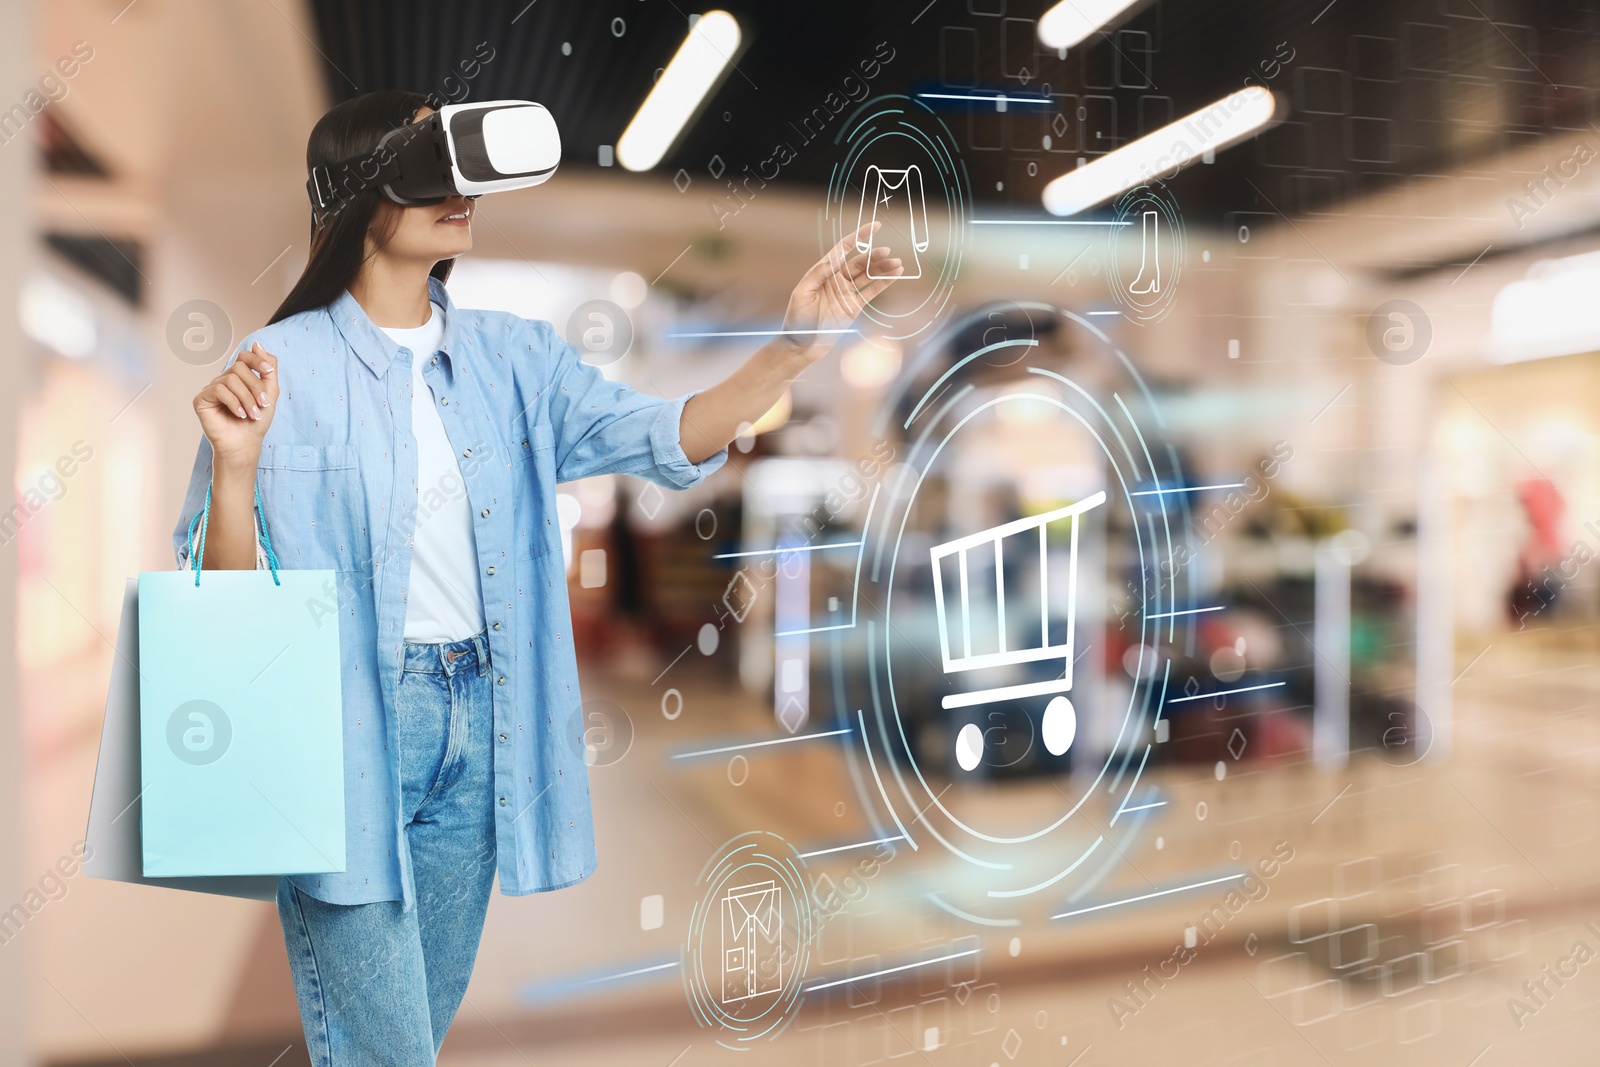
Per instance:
{"type": "Point", "coordinates": [987, 548]}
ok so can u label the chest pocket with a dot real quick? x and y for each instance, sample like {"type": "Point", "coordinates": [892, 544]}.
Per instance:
{"type": "Point", "coordinates": [534, 470]}
{"type": "Point", "coordinates": [315, 506]}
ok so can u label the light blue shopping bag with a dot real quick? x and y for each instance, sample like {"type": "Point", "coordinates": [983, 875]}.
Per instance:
{"type": "Point", "coordinates": [240, 721]}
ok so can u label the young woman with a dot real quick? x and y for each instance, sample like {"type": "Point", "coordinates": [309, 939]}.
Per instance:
{"type": "Point", "coordinates": [414, 448]}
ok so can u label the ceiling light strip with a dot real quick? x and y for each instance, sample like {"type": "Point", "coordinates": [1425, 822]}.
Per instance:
{"type": "Point", "coordinates": [687, 80]}
{"type": "Point", "coordinates": [1162, 153]}
{"type": "Point", "coordinates": [1071, 22]}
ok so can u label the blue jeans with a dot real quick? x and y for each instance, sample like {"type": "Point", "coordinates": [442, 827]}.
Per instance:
{"type": "Point", "coordinates": [376, 984]}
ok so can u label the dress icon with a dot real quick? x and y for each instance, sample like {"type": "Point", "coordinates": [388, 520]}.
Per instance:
{"type": "Point", "coordinates": [897, 202]}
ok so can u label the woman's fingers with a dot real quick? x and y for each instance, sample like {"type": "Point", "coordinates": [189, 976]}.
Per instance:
{"type": "Point", "coordinates": [849, 277]}
{"type": "Point", "coordinates": [863, 289]}
{"type": "Point", "coordinates": [862, 270]}
{"type": "Point", "coordinates": [879, 285]}
{"type": "Point", "coordinates": [833, 261]}
{"type": "Point", "coordinates": [258, 359]}
{"type": "Point", "coordinates": [236, 396]}
{"type": "Point", "coordinates": [855, 240]}
{"type": "Point", "coordinates": [258, 369]}
{"type": "Point", "coordinates": [240, 376]}
{"type": "Point", "coordinates": [877, 261]}
{"type": "Point", "coordinates": [218, 395]}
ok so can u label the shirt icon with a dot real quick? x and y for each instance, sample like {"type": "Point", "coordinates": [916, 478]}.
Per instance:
{"type": "Point", "coordinates": [896, 200]}
{"type": "Point", "coordinates": [752, 941]}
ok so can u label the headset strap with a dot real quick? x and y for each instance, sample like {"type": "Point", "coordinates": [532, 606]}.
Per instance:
{"type": "Point", "coordinates": [332, 183]}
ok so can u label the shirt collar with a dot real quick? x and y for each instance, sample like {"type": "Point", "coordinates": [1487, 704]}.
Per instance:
{"type": "Point", "coordinates": [376, 349]}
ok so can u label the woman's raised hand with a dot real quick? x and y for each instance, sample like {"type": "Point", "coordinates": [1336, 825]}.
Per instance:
{"type": "Point", "coordinates": [235, 407]}
{"type": "Point", "coordinates": [833, 292]}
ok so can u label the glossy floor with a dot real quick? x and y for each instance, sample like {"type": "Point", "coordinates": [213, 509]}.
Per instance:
{"type": "Point", "coordinates": [1418, 902]}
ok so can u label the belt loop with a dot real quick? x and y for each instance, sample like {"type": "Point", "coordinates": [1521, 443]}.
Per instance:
{"type": "Point", "coordinates": [480, 641]}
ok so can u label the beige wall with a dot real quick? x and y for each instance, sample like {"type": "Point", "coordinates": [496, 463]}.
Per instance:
{"type": "Point", "coordinates": [16, 180]}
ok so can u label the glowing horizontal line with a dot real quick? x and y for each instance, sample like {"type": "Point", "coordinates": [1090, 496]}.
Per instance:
{"type": "Point", "coordinates": [1149, 896]}
{"type": "Point", "coordinates": [629, 974]}
{"type": "Point", "coordinates": [1146, 807]}
{"type": "Point", "coordinates": [1187, 489]}
{"type": "Point", "coordinates": [790, 548]}
{"type": "Point", "coordinates": [754, 333]}
{"type": "Point", "coordinates": [1001, 98]}
{"type": "Point", "coordinates": [1105, 312]}
{"type": "Point", "coordinates": [815, 629]}
{"type": "Point", "coordinates": [1190, 611]}
{"type": "Point", "coordinates": [759, 744]}
{"type": "Point", "coordinates": [892, 970]}
{"type": "Point", "coordinates": [1051, 222]}
{"type": "Point", "coordinates": [1226, 692]}
{"type": "Point", "coordinates": [846, 848]}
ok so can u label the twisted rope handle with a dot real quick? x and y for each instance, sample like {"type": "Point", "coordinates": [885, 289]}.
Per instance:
{"type": "Point", "coordinates": [197, 552]}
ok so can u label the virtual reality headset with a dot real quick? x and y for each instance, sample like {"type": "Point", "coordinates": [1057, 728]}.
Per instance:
{"type": "Point", "coordinates": [466, 149]}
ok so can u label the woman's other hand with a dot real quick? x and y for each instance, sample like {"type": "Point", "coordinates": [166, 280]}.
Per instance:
{"type": "Point", "coordinates": [235, 408]}
{"type": "Point", "coordinates": [833, 292]}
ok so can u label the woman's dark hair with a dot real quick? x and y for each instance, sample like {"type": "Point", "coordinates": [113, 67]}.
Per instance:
{"type": "Point", "coordinates": [338, 244]}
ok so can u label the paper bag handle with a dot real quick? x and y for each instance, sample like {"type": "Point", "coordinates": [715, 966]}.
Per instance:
{"type": "Point", "coordinates": [197, 553]}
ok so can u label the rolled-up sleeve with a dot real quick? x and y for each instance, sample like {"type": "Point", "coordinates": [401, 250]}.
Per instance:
{"type": "Point", "coordinates": [666, 443]}
{"type": "Point", "coordinates": [607, 427]}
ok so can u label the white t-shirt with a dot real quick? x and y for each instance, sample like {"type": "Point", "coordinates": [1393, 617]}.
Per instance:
{"type": "Point", "coordinates": [445, 598]}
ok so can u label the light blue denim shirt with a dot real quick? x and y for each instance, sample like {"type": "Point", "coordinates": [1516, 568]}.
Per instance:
{"type": "Point", "coordinates": [338, 481]}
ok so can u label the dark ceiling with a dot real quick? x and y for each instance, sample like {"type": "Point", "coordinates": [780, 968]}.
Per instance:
{"type": "Point", "coordinates": [1378, 89]}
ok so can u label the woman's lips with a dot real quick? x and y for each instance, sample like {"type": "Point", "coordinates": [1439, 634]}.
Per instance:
{"type": "Point", "coordinates": [459, 218]}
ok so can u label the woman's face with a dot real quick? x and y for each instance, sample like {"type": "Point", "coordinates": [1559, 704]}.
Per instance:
{"type": "Point", "coordinates": [431, 232]}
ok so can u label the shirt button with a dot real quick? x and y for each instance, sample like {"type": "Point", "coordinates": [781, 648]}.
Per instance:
{"type": "Point", "coordinates": [467, 453]}
{"type": "Point", "coordinates": [445, 401]}
{"type": "Point", "coordinates": [502, 802]}
{"type": "Point", "coordinates": [524, 442]}
{"type": "Point", "coordinates": [497, 626]}
{"type": "Point", "coordinates": [484, 513]}
{"type": "Point", "coordinates": [435, 361]}
{"type": "Point", "coordinates": [500, 680]}
{"type": "Point", "coordinates": [502, 739]}
{"type": "Point", "coordinates": [491, 570]}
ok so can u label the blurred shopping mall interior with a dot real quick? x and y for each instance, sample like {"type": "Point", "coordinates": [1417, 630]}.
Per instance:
{"type": "Point", "coordinates": [1165, 624]}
